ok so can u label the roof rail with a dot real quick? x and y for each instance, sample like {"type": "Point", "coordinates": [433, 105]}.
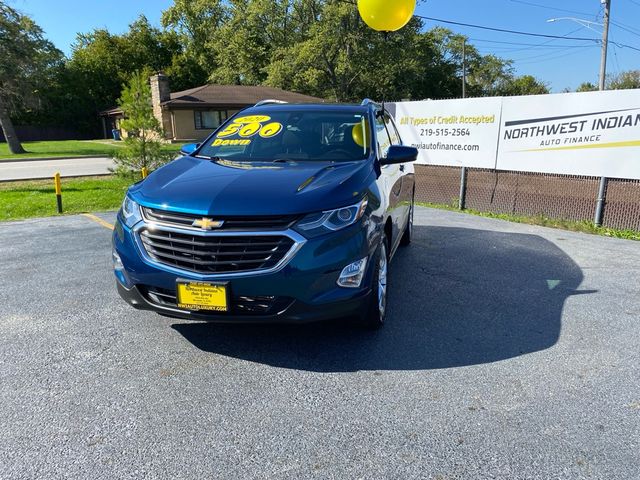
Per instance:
{"type": "Point", "coordinates": [268, 101]}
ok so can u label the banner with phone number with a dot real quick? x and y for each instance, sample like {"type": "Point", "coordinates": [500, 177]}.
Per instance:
{"type": "Point", "coordinates": [589, 133]}
{"type": "Point", "coordinates": [451, 132]}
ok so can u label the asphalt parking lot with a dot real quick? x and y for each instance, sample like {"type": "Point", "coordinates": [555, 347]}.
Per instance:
{"type": "Point", "coordinates": [510, 352]}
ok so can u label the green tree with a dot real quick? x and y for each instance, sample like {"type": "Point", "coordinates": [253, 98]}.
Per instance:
{"type": "Point", "coordinates": [323, 48]}
{"type": "Point", "coordinates": [252, 31]}
{"type": "Point", "coordinates": [196, 22]}
{"type": "Point", "coordinates": [488, 75]}
{"type": "Point", "coordinates": [102, 62]}
{"type": "Point", "coordinates": [524, 85]}
{"type": "Point", "coordinates": [624, 80]}
{"type": "Point", "coordinates": [444, 76]}
{"type": "Point", "coordinates": [317, 47]}
{"type": "Point", "coordinates": [323, 54]}
{"type": "Point", "coordinates": [587, 87]}
{"type": "Point", "coordinates": [185, 72]}
{"type": "Point", "coordinates": [26, 62]}
{"type": "Point", "coordinates": [333, 54]}
{"type": "Point", "coordinates": [96, 69]}
{"type": "Point", "coordinates": [142, 148]}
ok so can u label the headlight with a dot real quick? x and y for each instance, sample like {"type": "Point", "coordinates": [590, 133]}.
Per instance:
{"type": "Point", "coordinates": [130, 212]}
{"type": "Point", "coordinates": [332, 220]}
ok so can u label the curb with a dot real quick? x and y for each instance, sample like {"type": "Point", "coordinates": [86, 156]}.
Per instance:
{"type": "Point", "coordinates": [39, 159]}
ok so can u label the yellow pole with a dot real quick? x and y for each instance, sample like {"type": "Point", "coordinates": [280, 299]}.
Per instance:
{"type": "Point", "coordinates": [145, 172]}
{"type": "Point", "coordinates": [58, 186]}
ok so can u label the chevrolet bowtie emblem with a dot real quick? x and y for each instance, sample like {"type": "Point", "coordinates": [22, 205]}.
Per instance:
{"type": "Point", "coordinates": [207, 223]}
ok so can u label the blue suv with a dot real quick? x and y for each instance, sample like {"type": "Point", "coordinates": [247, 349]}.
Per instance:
{"type": "Point", "coordinates": [286, 213]}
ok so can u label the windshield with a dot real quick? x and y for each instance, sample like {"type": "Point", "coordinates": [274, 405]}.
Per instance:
{"type": "Point", "coordinates": [291, 135]}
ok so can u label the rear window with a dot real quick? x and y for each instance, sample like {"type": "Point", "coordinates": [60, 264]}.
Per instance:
{"type": "Point", "coordinates": [291, 135]}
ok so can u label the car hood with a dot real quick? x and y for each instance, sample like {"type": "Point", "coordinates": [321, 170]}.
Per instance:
{"type": "Point", "coordinates": [223, 187]}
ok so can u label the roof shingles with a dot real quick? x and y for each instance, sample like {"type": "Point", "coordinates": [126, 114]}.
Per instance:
{"type": "Point", "coordinates": [233, 95]}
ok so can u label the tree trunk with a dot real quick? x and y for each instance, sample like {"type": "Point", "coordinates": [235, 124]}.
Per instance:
{"type": "Point", "coordinates": [9, 132]}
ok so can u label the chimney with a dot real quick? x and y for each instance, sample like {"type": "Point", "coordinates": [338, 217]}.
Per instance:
{"type": "Point", "coordinates": [160, 93]}
{"type": "Point", "coordinates": [159, 88]}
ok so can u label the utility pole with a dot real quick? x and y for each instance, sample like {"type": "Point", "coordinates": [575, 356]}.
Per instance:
{"type": "Point", "coordinates": [602, 188]}
{"type": "Point", "coordinates": [605, 42]}
{"type": "Point", "coordinates": [464, 68]}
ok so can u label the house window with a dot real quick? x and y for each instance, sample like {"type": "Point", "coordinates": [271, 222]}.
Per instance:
{"type": "Point", "coordinates": [209, 119]}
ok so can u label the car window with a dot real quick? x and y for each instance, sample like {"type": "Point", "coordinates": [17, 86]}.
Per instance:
{"type": "Point", "coordinates": [382, 136]}
{"type": "Point", "coordinates": [292, 135]}
{"type": "Point", "coordinates": [391, 129]}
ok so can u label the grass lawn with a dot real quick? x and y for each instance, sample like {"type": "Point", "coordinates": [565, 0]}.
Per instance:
{"type": "Point", "coordinates": [38, 199]}
{"type": "Point", "coordinates": [69, 148]}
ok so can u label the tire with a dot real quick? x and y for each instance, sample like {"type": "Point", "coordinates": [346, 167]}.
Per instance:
{"type": "Point", "coordinates": [377, 309]}
{"type": "Point", "coordinates": [408, 230]}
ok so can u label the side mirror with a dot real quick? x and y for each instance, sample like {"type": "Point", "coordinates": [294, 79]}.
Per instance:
{"type": "Point", "coordinates": [189, 148]}
{"type": "Point", "coordinates": [399, 154]}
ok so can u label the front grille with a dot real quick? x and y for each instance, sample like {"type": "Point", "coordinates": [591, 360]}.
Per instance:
{"type": "Point", "coordinates": [208, 254]}
{"type": "Point", "coordinates": [240, 304]}
{"type": "Point", "coordinates": [244, 223]}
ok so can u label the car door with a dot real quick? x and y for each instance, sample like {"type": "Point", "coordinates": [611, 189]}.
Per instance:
{"type": "Point", "coordinates": [392, 181]}
{"type": "Point", "coordinates": [407, 173]}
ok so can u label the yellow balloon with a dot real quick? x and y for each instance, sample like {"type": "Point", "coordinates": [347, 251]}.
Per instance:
{"type": "Point", "coordinates": [386, 15]}
{"type": "Point", "coordinates": [358, 135]}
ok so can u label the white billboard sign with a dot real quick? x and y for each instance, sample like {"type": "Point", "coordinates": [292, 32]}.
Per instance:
{"type": "Point", "coordinates": [595, 134]}
{"type": "Point", "coordinates": [451, 132]}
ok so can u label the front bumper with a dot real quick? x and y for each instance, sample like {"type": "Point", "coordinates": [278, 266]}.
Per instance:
{"type": "Point", "coordinates": [304, 289]}
{"type": "Point", "coordinates": [295, 312]}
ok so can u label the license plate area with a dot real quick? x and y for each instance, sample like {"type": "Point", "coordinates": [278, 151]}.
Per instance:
{"type": "Point", "coordinates": [197, 296]}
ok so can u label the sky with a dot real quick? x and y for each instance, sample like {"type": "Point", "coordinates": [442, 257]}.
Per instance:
{"type": "Point", "coordinates": [560, 63]}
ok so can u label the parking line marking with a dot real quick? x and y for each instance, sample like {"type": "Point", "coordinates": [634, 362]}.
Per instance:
{"type": "Point", "coordinates": [102, 222]}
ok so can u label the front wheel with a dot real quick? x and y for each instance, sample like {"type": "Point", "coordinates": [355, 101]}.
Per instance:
{"type": "Point", "coordinates": [377, 309]}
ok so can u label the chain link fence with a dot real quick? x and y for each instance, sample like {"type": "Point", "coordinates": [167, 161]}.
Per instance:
{"type": "Point", "coordinates": [567, 197]}
{"type": "Point", "coordinates": [622, 205]}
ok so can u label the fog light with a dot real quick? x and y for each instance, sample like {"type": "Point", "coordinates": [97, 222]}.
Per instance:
{"type": "Point", "coordinates": [352, 275]}
{"type": "Point", "coordinates": [119, 271]}
{"type": "Point", "coordinates": [117, 262]}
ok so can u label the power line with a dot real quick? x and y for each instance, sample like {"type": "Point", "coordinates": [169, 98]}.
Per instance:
{"type": "Point", "coordinates": [519, 51]}
{"type": "Point", "coordinates": [615, 56]}
{"type": "Point", "coordinates": [621, 27]}
{"type": "Point", "coordinates": [546, 43]}
{"type": "Point", "coordinates": [550, 8]}
{"type": "Point", "coordinates": [600, 12]}
{"type": "Point", "coordinates": [625, 25]}
{"type": "Point", "coordinates": [555, 57]}
{"type": "Point", "coordinates": [517, 32]}
{"type": "Point", "coordinates": [504, 30]}
{"type": "Point", "coordinates": [550, 54]}
{"type": "Point", "coordinates": [516, 43]}
{"type": "Point", "coordinates": [531, 46]}
{"type": "Point", "coordinates": [525, 44]}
